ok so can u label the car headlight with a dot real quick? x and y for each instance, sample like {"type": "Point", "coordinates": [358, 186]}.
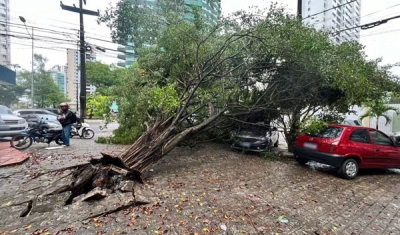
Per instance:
{"type": "Point", "coordinates": [22, 121]}
{"type": "Point", "coordinates": [263, 139]}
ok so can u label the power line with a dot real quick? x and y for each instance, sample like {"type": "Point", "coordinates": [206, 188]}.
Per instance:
{"type": "Point", "coordinates": [47, 30]}
{"type": "Point", "coordinates": [63, 49]}
{"type": "Point", "coordinates": [369, 25]}
{"type": "Point", "coordinates": [60, 32]}
{"type": "Point", "coordinates": [382, 10]}
{"type": "Point", "coordinates": [37, 38]}
{"type": "Point", "coordinates": [329, 9]}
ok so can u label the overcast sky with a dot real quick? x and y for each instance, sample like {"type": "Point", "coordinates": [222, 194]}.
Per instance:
{"type": "Point", "coordinates": [381, 41]}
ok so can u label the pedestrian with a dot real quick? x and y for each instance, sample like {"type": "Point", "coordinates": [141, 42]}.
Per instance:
{"type": "Point", "coordinates": [66, 118]}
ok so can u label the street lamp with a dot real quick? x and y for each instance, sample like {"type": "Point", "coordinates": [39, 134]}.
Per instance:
{"type": "Point", "coordinates": [31, 35]}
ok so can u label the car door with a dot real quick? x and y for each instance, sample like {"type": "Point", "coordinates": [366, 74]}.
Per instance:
{"type": "Point", "coordinates": [360, 144]}
{"type": "Point", "coordinates": [274, 135]}
{"type": "Point", "coordinates": [387, 154]}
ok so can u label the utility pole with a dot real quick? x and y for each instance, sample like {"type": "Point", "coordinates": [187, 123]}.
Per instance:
{"type": "Point", "coordinates": [33, 71]}
{"type": "Point", "coordinates": [81, 12]}
{"type": "Point", "coordinates": [299, 8]}
{"type": "Point", "coordinates": [77, 96]}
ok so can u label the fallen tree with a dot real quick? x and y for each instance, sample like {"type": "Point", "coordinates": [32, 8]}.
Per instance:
{"type": "Point", "coordinates": [199, 75]}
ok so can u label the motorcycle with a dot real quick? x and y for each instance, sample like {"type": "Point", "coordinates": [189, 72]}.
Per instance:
{"type": "Point", "coordinates": [41, 132]}
{"type": "Point", "coordinates": [82, 130]}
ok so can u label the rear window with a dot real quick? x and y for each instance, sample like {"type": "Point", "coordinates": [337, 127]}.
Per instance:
{"type": "Point", "coordinates": [330, 132]}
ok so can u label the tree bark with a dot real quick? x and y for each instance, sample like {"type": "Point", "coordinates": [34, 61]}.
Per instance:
{"type": "Point", "coordinates": [158, 141]}
{"type": "Point", "coordinates": [294, 127]}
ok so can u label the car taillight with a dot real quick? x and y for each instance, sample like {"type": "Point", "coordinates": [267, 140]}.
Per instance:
{"type": "Point", "coordinates": [334, 146]}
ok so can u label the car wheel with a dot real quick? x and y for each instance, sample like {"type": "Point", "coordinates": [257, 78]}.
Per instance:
{"type": "Point", "coordinates": [348, 169]}
{"type": "Point", "coordinates": [301, 161]}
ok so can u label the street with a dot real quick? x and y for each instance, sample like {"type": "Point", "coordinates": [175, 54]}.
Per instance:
{"type": "Point", "coordinates": [208, 189]}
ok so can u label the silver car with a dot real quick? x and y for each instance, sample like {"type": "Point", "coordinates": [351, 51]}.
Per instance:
{"type": "Point", "coordinates": [10, 124]}
{"type": "Point", "coordinates": [20, 112]}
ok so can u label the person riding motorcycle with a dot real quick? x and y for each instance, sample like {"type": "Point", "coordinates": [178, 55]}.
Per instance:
{"type": "Point", "coordinates": [66, 117]}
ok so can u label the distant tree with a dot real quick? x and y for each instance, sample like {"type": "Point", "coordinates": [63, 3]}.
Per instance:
{"type": "Point", "coordinates": [9, 94]}
{"type": "Point", "coordinates": [46, 92]}
{"type": "Point", "coordinates": [103, 76]}
{"type": "Point", "coordinates": [99, 105]}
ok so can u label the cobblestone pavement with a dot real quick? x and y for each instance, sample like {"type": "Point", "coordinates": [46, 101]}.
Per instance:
{"type": "Point", "coordinates": [212, 189]}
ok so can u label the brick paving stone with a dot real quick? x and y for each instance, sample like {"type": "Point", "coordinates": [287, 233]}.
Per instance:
{"type": "Point", "coordinates": [244, 193]}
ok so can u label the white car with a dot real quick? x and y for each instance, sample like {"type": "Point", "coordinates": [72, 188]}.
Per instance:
{"type": "Point", "coordinates": [10, 124]}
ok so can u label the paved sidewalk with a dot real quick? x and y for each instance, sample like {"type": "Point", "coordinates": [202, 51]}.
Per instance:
{"type": "Point", "coordinates": [10, 156]}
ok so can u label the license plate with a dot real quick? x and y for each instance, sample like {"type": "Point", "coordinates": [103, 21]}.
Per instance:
{"type": "Point", "coordinates": [310, 145]}
{"type": "Point", "coordinates": [245, 144]}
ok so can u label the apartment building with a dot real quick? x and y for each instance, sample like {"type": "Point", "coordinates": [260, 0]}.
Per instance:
{"type": "Point", "coordinates": [210, 11]}
{"type": "Point", "coordinates": [5, 50]}
{"type": "Point", "coordinates": [344, 15]}
{"type": "Point", "coordinates": [73, 77]}
{"type": "Point", "coordinates": [59, 76]}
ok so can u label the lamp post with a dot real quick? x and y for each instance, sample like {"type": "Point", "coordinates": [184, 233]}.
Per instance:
{"type": "Point", "coordinates": [31, 35]}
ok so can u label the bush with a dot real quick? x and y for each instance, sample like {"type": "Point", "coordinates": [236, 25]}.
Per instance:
{"type": "Point", "coordinates": [312, 126]}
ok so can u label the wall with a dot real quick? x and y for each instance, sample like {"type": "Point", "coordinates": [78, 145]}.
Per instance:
{"type": "Point", "coordinates": [393, 126]}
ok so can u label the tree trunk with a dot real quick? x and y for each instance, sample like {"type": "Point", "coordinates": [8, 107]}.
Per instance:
{"type": "Point", "coordinates": [292, 134]}
{"type": "Point", "coordinates": [159, 139]}
{"type": "Point", "coordinates": [377, 120]}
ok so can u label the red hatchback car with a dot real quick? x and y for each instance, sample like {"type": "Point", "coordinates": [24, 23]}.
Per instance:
{"type": "Point", "coordinates": [348, 148]}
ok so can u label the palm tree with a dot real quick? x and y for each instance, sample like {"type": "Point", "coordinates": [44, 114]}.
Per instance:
{"type": "Point", "coordinates": [377, 109]}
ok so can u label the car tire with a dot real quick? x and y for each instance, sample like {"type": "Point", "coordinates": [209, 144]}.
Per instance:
{"type": "Point", "coordinates": [300, 160]}
{"type": "Point", "coordinates": [348, 169]}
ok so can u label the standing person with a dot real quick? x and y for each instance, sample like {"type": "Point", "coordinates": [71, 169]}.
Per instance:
{"type": "Point", "coordinates": [66, 118]}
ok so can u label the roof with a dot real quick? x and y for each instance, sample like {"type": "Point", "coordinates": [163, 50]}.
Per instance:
{"type": "Point", "coordinates": [352, 127]}
{"type": "Point", "coordinates": [7, 76]}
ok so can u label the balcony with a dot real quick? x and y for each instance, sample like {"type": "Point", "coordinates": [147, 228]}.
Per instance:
{"type": "Point", "coordinates": [121, 49]}
{"type": "Point", "coordinates": [121, 64]}
{"type": "Point", "coordinates": [121, 56]}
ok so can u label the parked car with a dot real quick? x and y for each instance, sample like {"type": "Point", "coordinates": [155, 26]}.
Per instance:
{"type": "Point", "coordinates": [48, 121]}
{"type": "Point", "coordinates": [10, 124]}
{"type": "Point", "coordinates": [348, 148]}
{"type": "Point", "coordinates": [20, 112]}
{"type": "Point", "coordinates": [53, 110]}
{"type": "Point", "coordinates": [396, 137]}
{"type": "Point", "coordinates": [256, 139]}
{"type": "Point", "coordinates": [350, 122]}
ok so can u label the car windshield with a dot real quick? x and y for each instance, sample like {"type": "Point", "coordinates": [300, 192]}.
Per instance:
{"type": "Point", "coordinates": [47, 117]}
{"type": "Point", "coordinates": [255, 130]}
{"type": "Point", "coordinates": [5, 110]}
{"type": "Point", "coordinates": [329, 132]}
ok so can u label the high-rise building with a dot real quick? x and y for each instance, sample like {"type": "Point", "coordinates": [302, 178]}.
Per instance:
{"type": "Point", "coordinates": [59, 76]}
{"type": "Point", "coordinates": [73, 81]}
{"type": "Point", "coordinates": [211, 10]}
{"type": "Point", "coordinates": [336, 16]}
{"type": "Point", "coordinates": [5, 50]}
